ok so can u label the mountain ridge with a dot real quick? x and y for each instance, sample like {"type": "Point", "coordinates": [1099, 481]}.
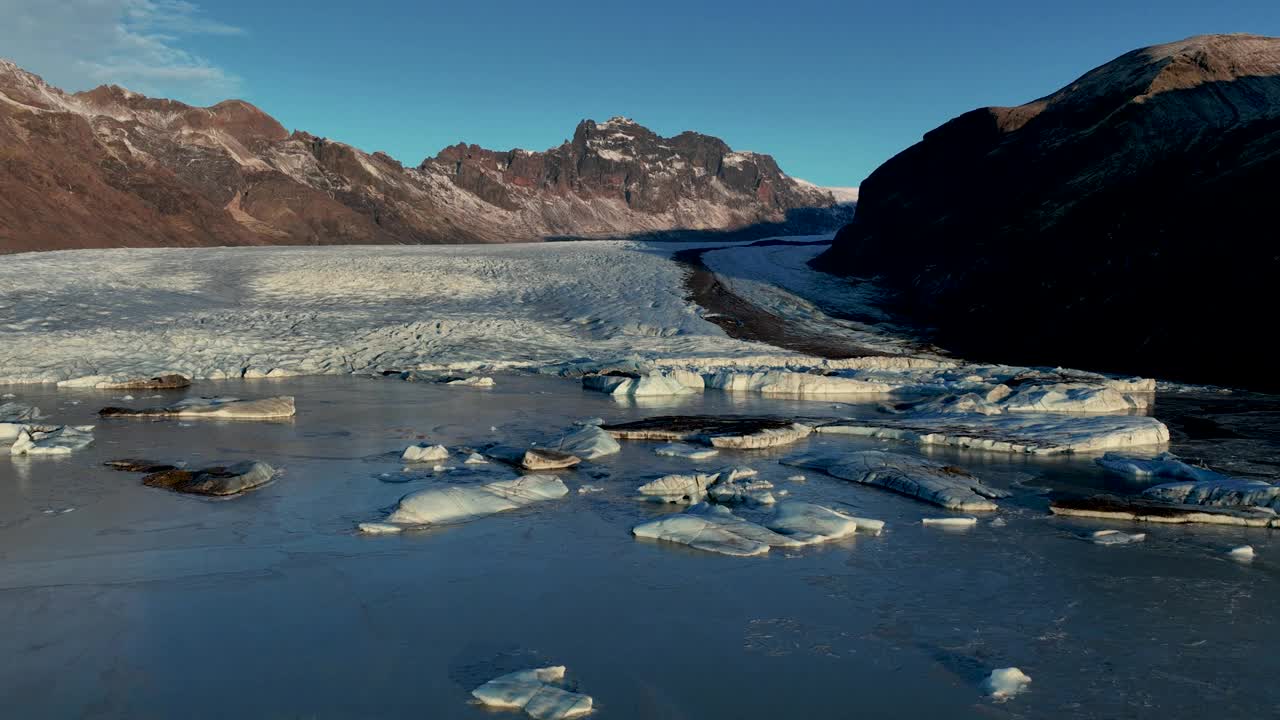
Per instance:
{"type": "Point", "coordinates": [108, 167]}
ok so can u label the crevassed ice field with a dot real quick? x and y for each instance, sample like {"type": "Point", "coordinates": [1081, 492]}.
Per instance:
{"type": "Point", "coordinates": [667, 579]}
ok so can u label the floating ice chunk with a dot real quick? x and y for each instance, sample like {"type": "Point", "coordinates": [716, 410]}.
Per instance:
{"type": "Point", "coordinates": [947, 486]}
{"type": "Point", "coordinates": [590, 421]}
{"type": "Point", "coordinates": [809, 523]}
{"type": "Point", "coordinates": [460, 503]}
{"type": "Point", "coordinates": [475, 459]}
{"type": "Point", "coordinates": [781, 382]}
{"type": "Point", "coordinates": [271, 408]}
{"type": "Point", "coordinates": [536, 692]}
{"type": "Point", "coordinates": [51, 439]}
{"type": "Point", "coordinates": [796, 478]}
{"type": "Point", "coordinates": [1163, 465]}
{"type": "Point", "coordinates": [741, 490]}
{"type": "Point", "coordinates": [952, 522]}
{"type": "Point", "coordinates": [1244, 553]}
{"type": "Point", "coordinates": [683, 489]}
{"type": "Point", "coordinates": [1013, 433]}
{"type": "Point", "coordinates": [998, 522]}
{"type": "Point", "coordinates": [585, 489]}
{"type": "Point", "coordinates": [474, 381]}
{"type": "Point", "coordinates": [1004, 683]}
{"type": "Point", "coordinates": [162, 382]}
{"type": "Point", "coordinates": [1115, 537]}
{"type": "Point", "coordinates": [721, 432]}
{"type": "Point", "coordinates": [1146, 510]}
{"type": "Point", "coordinates": [377, 528]}
{"type": "Point", "coordinates": [424, 452]}
{"type": "Point", "coordinates": [622, 384]}
{"type": "Point", "coordinates": [589, 443]}
{"type": "Point", "coordinates": [1220, 491]}
{"type": "Point", "coordinates": [685, 451]}
{"type": "Point", "coordinates": [533, 458]}
{"type": "Point", "coordinates": [230, 480]}
{"type": "Point", "coordinates": [714, 529]}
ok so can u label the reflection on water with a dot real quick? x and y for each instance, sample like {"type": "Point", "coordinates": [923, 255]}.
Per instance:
{"type": "Point", "coordinates": [289, 613]}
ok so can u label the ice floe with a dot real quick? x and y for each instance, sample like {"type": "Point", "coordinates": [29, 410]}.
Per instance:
{"type": "Point", "coordinates": [689, 452]}
{"type": "Point", "coordinates": [721, 432]}
{"type": "Point", "coordinates": [424, 452]}
{"type": "Point", "coordinates": [1243, 553]}
{"type": "Point", "coordinates": [533, 458]}
{"type": "Point", "coordinates": [1004, 683]}
{"type": "Point", "coordinates": [683, 489]}
{"type": "Point", "coordinates": [220, 481]}
{"type": "Point", "coordinates": [272, 408]}
{"type": "Point", "coordinates": [1115, 537]}
{"type": "Point", "coordinates": [537, 692]}
{"type": "Point", "coordinates": [475, 459]}
{"type": "Point", "coordinates": [460, 503]}
{"type": "Point", "coordinates": [589, 443]}
{"type": "Point", "coordinates": [1012, 433]}
{"type": "Point", "coordinates": [950, 522]}
{"type": "Point", "coordinates": [947, 486]}
{"type": "Point", "coordinates": [715, 529]}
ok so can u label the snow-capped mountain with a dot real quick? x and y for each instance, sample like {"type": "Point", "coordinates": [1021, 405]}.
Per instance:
{"type": "Point", "coordinates": [109, 167]}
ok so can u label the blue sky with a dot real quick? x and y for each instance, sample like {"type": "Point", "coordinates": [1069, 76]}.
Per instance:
{"type": "Point", "coordinates": [830, 89]}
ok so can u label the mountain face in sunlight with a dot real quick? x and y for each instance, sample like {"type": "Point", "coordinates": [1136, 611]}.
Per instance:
{"type": "Point", "coordinates": [1126, 222]}
{"type": "Point", "coordinates": [112, 168]}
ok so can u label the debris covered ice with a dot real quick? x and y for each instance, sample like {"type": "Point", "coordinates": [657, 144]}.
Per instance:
{"type": "Point", "coordinates": [271, 408]}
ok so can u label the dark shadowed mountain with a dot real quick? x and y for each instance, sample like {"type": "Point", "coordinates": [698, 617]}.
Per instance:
{"type": "Point", "coordinates": [1127, 222]}
{"type": "Point", "coordinates": [111, 168]}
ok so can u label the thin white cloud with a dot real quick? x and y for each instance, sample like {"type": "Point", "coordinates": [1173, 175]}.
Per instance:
{"type": "Point", "coordinates": [78, 44]}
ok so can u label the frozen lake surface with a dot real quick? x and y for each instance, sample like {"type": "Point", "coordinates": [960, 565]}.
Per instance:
{"type": "Point", "coordinates": [144, 603]}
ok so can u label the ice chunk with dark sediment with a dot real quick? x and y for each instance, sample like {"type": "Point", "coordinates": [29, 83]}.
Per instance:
{"type": "Point", "coordinates": [1142, 509]}
{"type": "Point", "coordinates": [714, 529]}
{"type": "Point", "coordinates": [589, 443]}
{"type": "Point", "coordinates": [51, 439]}
{"type": "Point", "coordinates": [272, 408]}
{"type": "Point", "coordinates": [944, 485]}
{"type": "Point", "coordinates": [1012, 433]}
{"type": "Point", "coordinates": [721, 432]}
{"type": "Point", "coordinates": [460, 503]}
{"type": "Point", "coordinates": [537, 692]}
{"type": "Point", "coordinates": [229, 480]}
{"type": "Point", "coordinates": [162, 382]}
{"type": "Point", "coordinates": [533, 458]}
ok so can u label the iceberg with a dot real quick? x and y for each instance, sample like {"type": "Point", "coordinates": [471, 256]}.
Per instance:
{"type": "Point", "coordinates": [947, 486]}
{"type": "Point", "coordinates": [809, 523]}
{"type": "Point", "coordinates": [424, 452]}
{"type": "Point", "coordinates": [782, 382]}
{"type": "Point", "coordinates": [1004, 683]}
{"type": "Point", "coordinates": [714, 529]}
{"type": "Point", "coordinates": [272, 408]}
{"type": "Point", "coordinates": [625, 384]}
{"type": "Point", "coordinates": [1146, 510]}
{"type": "Point", "coordinates": [1012, 433]}
{"type": "Point", "coordinates": [533, 458]}
{"type": "Point", "coordinates": [1243, 553]}
{"type": "Point", "coordinates": [1221, 491]}
{"type": "Point", "coordinates": [460, 503]}
{"type": "Point", "coordinates": [51, 439]}
{"type": "Point", "coordinates": [536, 692]}
{"type": "Point", "coordinates": [589, 443]}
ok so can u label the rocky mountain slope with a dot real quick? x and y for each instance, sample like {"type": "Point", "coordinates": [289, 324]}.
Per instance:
{"type": "Point", "coordinates": [108, 168]}
{"type": "Point", "coordinates": [1126, 222]}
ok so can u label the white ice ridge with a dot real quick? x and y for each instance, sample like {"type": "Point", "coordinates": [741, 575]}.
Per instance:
{"type": "Point", "coordinates": [714, 528]}
{"type": "Point", "coordinates": [1013, 433]}
{"type": "Point", "coordinates": [460, 503]}
{"type": "Point", "coordinates": [916, 477]}
{"type": "Point", "coordinates": [537, 692]}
